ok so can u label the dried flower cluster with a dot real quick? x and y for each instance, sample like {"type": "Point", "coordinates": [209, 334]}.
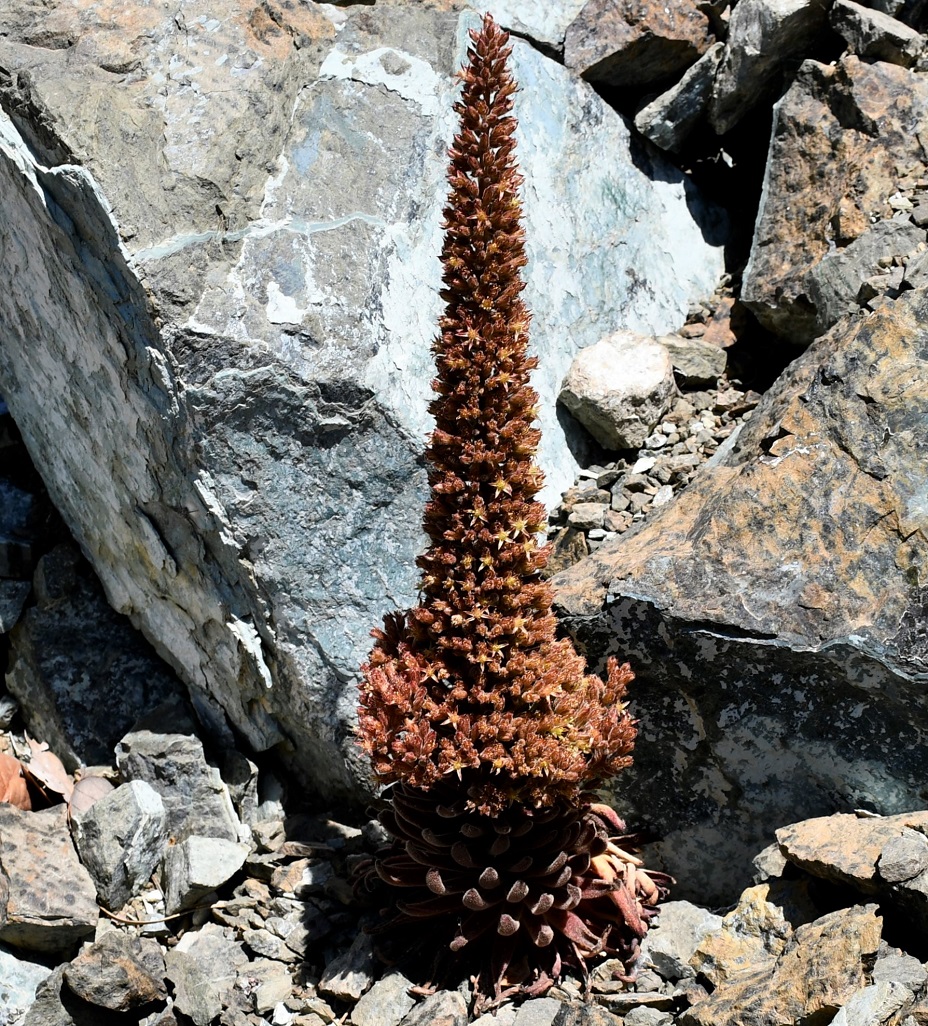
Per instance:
{"type": "Point", "coordinates": [473, 679]}
{"type": "Point", "coordinates": [486, 726]}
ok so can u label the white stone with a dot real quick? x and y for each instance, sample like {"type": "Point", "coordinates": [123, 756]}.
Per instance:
{"type": "Point", "coordinates": [620, 388]}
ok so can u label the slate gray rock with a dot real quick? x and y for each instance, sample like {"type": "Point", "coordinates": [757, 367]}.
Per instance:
{"type": "Point", "coordinates": [904, 857]}
{"type": "Point", "coordinates": [196, 866]}
{"type": "Point", "coordinates": [638, 43]}
{"type": "Point", "coordinates": [195, 798]}
{"type": "Point", "coordinates": [669, 119]}
{"type": "Point", "coordinates": [350, 974]}
{"type": "Point", "coordinates": [674, 937]}
{"type": "Point", "coordinates": [13, 595]}
{"type": "Point", "coordinates": [873, 1005]}
{"type": "Point", "coordinates": [780, 564]}
{"type": "Point", "coordinates": [762, 36]}
{"type": "Point", "coordinates": [266, 983]}
{"type": "Point", "coordinates": [49, 896]}
{"type": "Point", "coordinates": [202, 968]}
{"type": "Point", "coordinates": [445, 1008]}
{"type": "Point", "coordinates": [17, 534]}
{"type": "Point", "coordinates": [834, 283]}
{"type": "Point", "coordinates": [904, 969]}
{"type": "Point", "coordinates": [840, 135]}
{"type": "Point", "coordinates": [695, 363]}
{"type": "Point", "coordinates": [118, 972]}
{"type": "Point", "coordinates": [120, 840]}
{"type": "Point", "coordinates": [245, 473]}
{"type": "Point", "coordinates": [874, 35]}
{"type": "Point", "coordinates": [545, 24]}
{"type": "Point", "coordinates": [81, 673]}
{"type": "Point", "coordinates": [546, 1011]}
{"type": "Point", "coordinates": [19, 979]}
{"type": "Point", "coordinates": [386, 1003]}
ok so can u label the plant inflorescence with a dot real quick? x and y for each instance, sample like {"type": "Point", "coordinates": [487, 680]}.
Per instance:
{"type": "Point", "coordinates": [487, 726]}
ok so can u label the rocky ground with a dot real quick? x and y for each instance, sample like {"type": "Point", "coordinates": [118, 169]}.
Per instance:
{"type": "Point", "coordinates": [168, 891]}
{"type": "Point", "coordinates": [161, 875]}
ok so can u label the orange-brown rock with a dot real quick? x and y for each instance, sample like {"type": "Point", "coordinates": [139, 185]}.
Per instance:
{"type": "Point", "coordinates": [843, 135]}
{"type": "Point", "coordinates": [775, 611]}
{"type": "Point", "coordinates": [751, 936]}
{"type": "Point", "coordinates": [845, 848]}
{"type": "Point", "coordinates": [636, 42]}
{"type": "Point", "coordinates": [821, 966]}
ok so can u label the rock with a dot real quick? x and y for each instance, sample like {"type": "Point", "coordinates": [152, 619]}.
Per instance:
{"type": "Point", "coordinates": [197, 866]}
{"type": "Point", "coordinates": [750, 937]}
{"type": "Point", "coordinates": [120, 840]}
{"type": "Point", "coordinates": [349, 975]}
{"type": "Point", "coordinates": [845, 848]}
{"type": "Point", "coordinates": [903, 857]}
{"type": "Point", "coordinates": [569, 547]}
{"type": "Point", "coordinates": [444, 1008]}
{"type": "Point", "coordinates": [640, 43]}
{"type": "Point", "coordinates": [202, 968]}
{"type": "Point", "coordinates": [19, 979]}
{"type": "Point", "coordinates": [675, 936]}
{"type": "Point", "coordinates": [174, 765]}
{"type": "Point", "coordinates": [13, 595]}
{"type": "Point", "coordinates": [619, 388]}
{"type": "Point", "coordinates": [17, 531]}
{"type": "Point", "coordinates": [669, 119]}
{"type": "Point", "coordinates": [623, 1002]}
{"type": "Point", "coordinates": [779, 562]}
{"type": "Point", "coordinates": [768, 864]}
{"type": "Point", "coordinates": [385, 1004]}
{"type": "Point", "coordinates": [696, 363]}
{"type": "Point", "coordinates": [504, 1016]}
{"type": "Point", "coordinates": [826, 180]}
{"type": "Point", "coordinates": [118, 972]}
{"type": "Point", "coordinates": [545, 24]}
{"type": "Point", "coordinates": [587, 515]}
{"type": "Point", "coordinates": [266, 983]}
{"type": "Point", "coordinates": [848, 849]}
{"type": "Point", "coordinates": [876, 36]}
{"type": "Point", "coordinates": [820, 968]}
{"type": "Point", "coordinates": [544, 1011]}
{"type": "Point", "coordinates": [904, 969]}
{"type": "Point", "coordinates": [873, 1005]}
{"type": "Point", "coordinates": [762, 36]}
{"type": "Point", "coordinates": [80, 672]}
{"type": "Point", "coordinates": [644, 1016]}
{"type": "Point", "coordinates": [182, 449]}
{"type": "Point", "coordinates": [834, 283]}
{"type": "Point", "coordinates": [49, 895]}
{"type": "Point", "coordinates": [49, 1010]}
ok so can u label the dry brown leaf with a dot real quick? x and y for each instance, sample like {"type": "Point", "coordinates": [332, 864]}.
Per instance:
{"type": "Point", "coordinates": [46, 770]}
{"type": "Point", "coordinates": [13, 788]}
{"type": "Point", "coordinates": [87, 791]}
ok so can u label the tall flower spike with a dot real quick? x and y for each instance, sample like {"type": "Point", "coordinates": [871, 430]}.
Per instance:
{"type": "Point", "coordinates": [472, 682]}
{"type": "Point", "coordinates": [487, 726]}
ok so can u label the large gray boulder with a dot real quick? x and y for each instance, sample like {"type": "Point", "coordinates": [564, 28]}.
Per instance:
{"type": "Point", "coordinates": [220, 250]}
{"type": "Point", "coordinates": [775, 612]}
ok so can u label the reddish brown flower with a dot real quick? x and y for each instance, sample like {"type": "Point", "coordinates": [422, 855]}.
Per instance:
{"type": "Point", "coordinates": [487, 725]}
{"type": "Point", "coordinates": [473, 680]}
